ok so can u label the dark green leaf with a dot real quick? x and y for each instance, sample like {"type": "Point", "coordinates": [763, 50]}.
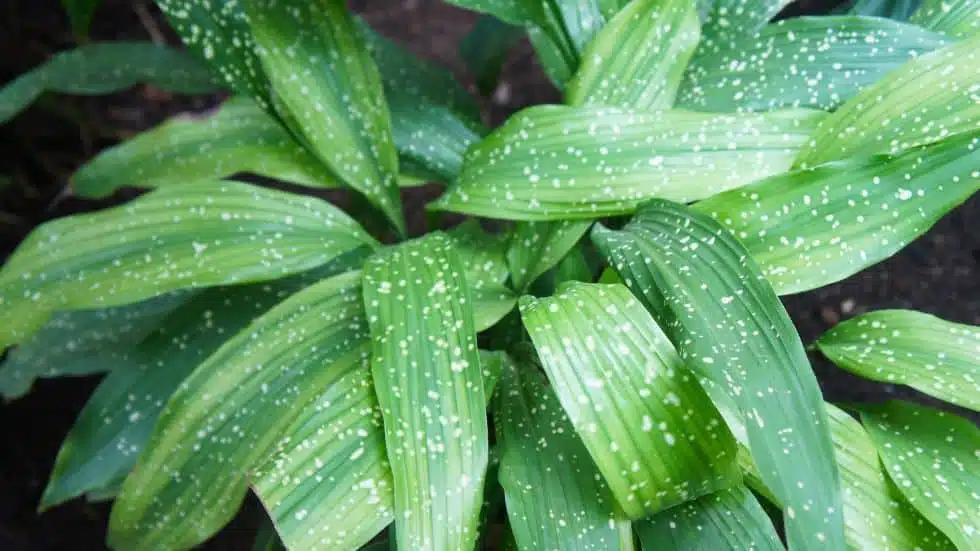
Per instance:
{"type": "Point", "coordinates": [536, 247]}
{"type": "Point", "coordinates": [899, 10]}
{"type": "Point", "coordinates": [267, 539]}
{"type": "Point", "coordinates": [955, 18]}
{"type": "Point", "coordinates": [80, 14]}
{"type": "Point", "coordinates": [104, 69]}
{"type": "Point", "coordinates": [731, 329]}
{"type": "Point", "coordinates": [418, 306]}
{"type": "Point", "coordinates": [485, 50]}
{"type": "Point", "coordinates": [430, 137]}
{"type": "Point", "coordinates": [725, 21]}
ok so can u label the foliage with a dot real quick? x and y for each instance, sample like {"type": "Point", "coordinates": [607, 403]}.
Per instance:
{"type": "Point", "coordinates": [470, 386]}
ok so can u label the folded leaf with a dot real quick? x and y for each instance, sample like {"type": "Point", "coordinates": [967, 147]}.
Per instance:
{"type": "Point", "coordinates": [485, 50]}
{"type": "Point", "coordinates": [228, 414]}
{"type": "Point", "coordinates": [552, 163]}
{"type": "Point", "coordinates": [816, 62]}
{"type": "Point", "coordinates": [106, 68]}
{"type": "Point", "coordinates": [536, 247]}
{"type": "Point", "coordinates": [727, 519]}
{"type": "Point", "coordinates": [939, 88]}
{"type": "Point", "coordinates": [648, 424]}
{"type": "Point", "coordinates": [556, 498]}
{"type": "Point", "coordinates": [931, 457]}
{"type": "Point", "coordinates": [809, 228]}
{"type": "Point", "coordinates": [340, 109]}
{"type": "Point", "coordinates": [730, 328]}
{"type": "Point", "coordinates": [418, 305]}
{"type": "Point", "coordinates": [955, 18]}
{"type": "Point", "coordinates": [209, 234]}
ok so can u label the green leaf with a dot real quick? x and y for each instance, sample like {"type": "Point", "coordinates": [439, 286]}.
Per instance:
{"type": "Point", "coordinates": [228, 414]}
{"type": "Point", "coordinates": [485, 49]}
{"type": "Point", "coordinates": [116, 423]}
{"type": "Point", "coordinates": [932, 355]}
{"type": "Point", "coordinates": [647, 423]}
{"type": "Point", "coordinates": [218, 33]}
{"type": "Point", "coordinates": [817, 62]}
{"type": "Point", "coordinates": [82, 342]}
{"type": "Point", "coordinates": [553, 163]}
{"type": "Point", "coordinates": [80, 14]}
{"type": "Point", "coordinates": [875, 513]}
{"type": "Point", "coordinates": [418, 305]}
{"type": "Point", "coordinates": [931, 457]}
{"type": "Point", "coordinates": [725, 21]}
{"type": "Point", "coordinates": [515, 12]}
{"type": "Point", "coordinates": [431, 137]}
{"type": "Point", "coordinates": [638, 58]}
{"type": "Point", "coordinates": [809, 228]}
{"type": "Point", "coordinates": [266, 539]}
{"type": "Point", "coordinates": [730, 328]}
{"type": "Point", "coordinates": [954, 18]}
{"type": "Point", "coordinates": [481, 252]}
{"type": "Point", "coordinates": [556, 497]}
{"type": "Point", "coordinates": [557, 67]}
{"type": "Point", "coordinates": [239, 137]}
{"type": "Point", "coordinates": [899, 10]}
{"type": "Point", "coordinates": [339, 110]}
{"type": "Point", "coordinates": [106, 68]}
{"type": "Point", "coordinates": [727, 519]}
{"type": "Point", "coordinates": [209, 234]}
{"type": "Point", "coordinates": [939, 88]}
{"type": "Point", "coordinates": [536, 247]}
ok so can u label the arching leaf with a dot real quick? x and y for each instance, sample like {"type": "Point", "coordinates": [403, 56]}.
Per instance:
{"type": "Point", "coordinates": [430, 137]}
{"type": "Point", "coordinates": [536, 247]}
{"type": "Point", "coordinates": [726, 21]}
{"type": "Point", "coordinates": [955, 18]}
{"type": "Point", "coordinates": [899, 10]}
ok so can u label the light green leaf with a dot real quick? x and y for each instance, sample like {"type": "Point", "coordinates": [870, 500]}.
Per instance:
{"type": "Point", "coordinates": [430, 137]}
{"type": "Point", "coordinates": [553, 163]}
{"type": "Point", "coordinates": [104, 69]}
{"type": "Point", "coordinates": [554, 61]}
{"type": "Point", "coordinates": [209, 234]}
{"type": "Point", "coordinates": [727, 519]}
{"type": "Point", "coordinates": [490, 304]}
{"type": "Point", "coordinates": [340, 109]}
{"type": "Point", "coordinates": [218, 33]}
{"type": "Point", "coordinates": [485, 50]}
{"type": "Point", "coordinates": [731, 329]}
{"type": "Point", "coordinates": [899, 10]}
{"type": "Point", "coordinates": [481, 252]}
{"type": "Point", "coordinates": [228, 414]}
{"type": "Point", "coordinates": [536, 247]}
{"type": "Point", "coordinates": [816, 62]}
{"type": "Point", "coordinates": [82, 342]}
{"type": "Point", "coordinates": [876, 516]}
{"type": "Point", "coordinates": [925, 100]}
{"type": "Point", "coordinates": [955, 18]}
{"type": "Point", "coordinates": [809, 228]}
{"type": "Point", "coordinates": [556, 497]}
{"type": "Point", "coordinates": [726, 21]}
{"type": "Point", "coordinates": [931, 456]}
{"type": "Point", "coordinates": [934, 356]}
{"type": "Point", "coordinates": [646, 421]}
{"type": "Point", "coordinates": [239, 137]}
{"type": "Point", "coordinates": [638, 58]}
{"type": "Point", "coordinates": [418, 305]}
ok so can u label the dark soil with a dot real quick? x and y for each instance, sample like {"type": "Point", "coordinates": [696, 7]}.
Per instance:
{"type": "Point", "coordinates": [940, 273]}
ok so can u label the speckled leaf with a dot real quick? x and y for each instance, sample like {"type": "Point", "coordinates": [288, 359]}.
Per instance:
{"type": "Point", "coordinates": [239, 137]}
{"type": "Point", "coordinates": [228, 414]}
{"type": "Point", "coordinates": [934, 356]}
{"type": "Point", "coordinates": [117, 421]}
{"type": "Point", "coordinates": [553, 163]}
{"type": "Point", "coordinates": [955, 18]}
{"type": "Point", "coordinates": [731, 329]}
{"type": "Point", "coordinates": [82, 342]}
{"type": "Point", "coordinates": [816, 62]}
{"type": "Point", "coordinates": [556, 497]}
{"type": "Point", "coordinates": [212, 233]}
{"type": "Point", "coordinates": [725, 21]}
{"type": "Point", "coordinates": [876, 516]}
{"type": "Point", "coordinates": [899, 10]}
{"type": "Point", "coordinates": [536, 247]}
{"type": "Point", "coordinates": [490, 304]}
{"type": "Point", "coordinates": [482, 256]}
{"type": "Point", "coordinates": [217, 31]}
{"type": "Point", "coordinates": [925, 100]}
{"type": "Point", "coordinates": [339, 109]}
{"type": "Point", "coordinates": [515, 12]}
{"type": "Point", "coordinates": [486, 48]}
{"type": "Point", "coordinates": [106, 68]}
{"type": "Point", "coordinates": [931, 456]}
{"type": "Point", "coordinates": [809, 228]}
{"type": "Point", "coordinates": [646, 421]}
{"type": "Point", "coordinates": [727, 519]}
{"type": "Point", "coordinates": [430, 137]}
{"type": "Point", "coordinates": [418, 305]}
{"type": "Point", "coordinates": [638, 58]}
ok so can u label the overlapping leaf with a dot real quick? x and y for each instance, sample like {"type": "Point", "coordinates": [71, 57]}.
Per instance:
{"type": "Point", "coordinates": [956, 18]}
{"type": "Point", "coordinates": [212, 233]}
{"type": "Point", "coordinates": [556, 498]}
{"type": "Point", "coordinates": [726, 21]}
{"type": "Point", "coordinates": [482, 256]}
{"type": "Point", "coordinates": [229, 413]}
{"type": "Point", "coordinates": [536, 247]}
{"type": "Point", "coordinates": [431, 138]}
{"type": "Point", "coordinates": [553, 163]}
{"type": "Point", "coordinates": [931, 457]}
{"type": "Point", "coordinates": [418, 305]}
{"type": "Point", "coordinates": [647, 423]}
{"type": "Point", "coordinates": [730, 328]}
{"type": "Point", "coordinates": [104, 68]}
{"type": "Point", "coordinates": [809, 228]}
{"type": "Point", "coordinates": [485, 50]}
{"type": "Point", "coordinates": [816, 62]}
{"type": "Point", "coordinates": [899, 10]}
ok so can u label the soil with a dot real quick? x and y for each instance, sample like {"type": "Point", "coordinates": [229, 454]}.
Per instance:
{"type": "Point", "coordinates": [939, 273]}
